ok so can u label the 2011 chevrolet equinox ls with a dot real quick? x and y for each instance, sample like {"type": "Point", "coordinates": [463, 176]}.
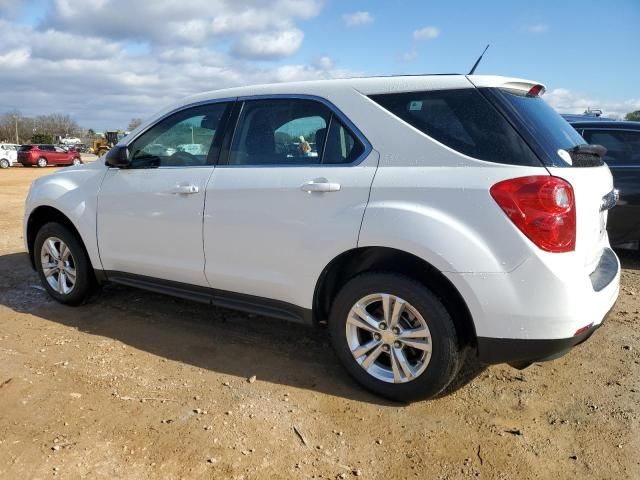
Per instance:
{"type": "Point", "coordinates": [421, 217]}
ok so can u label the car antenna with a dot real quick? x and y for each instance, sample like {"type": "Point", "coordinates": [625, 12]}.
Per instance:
{"type": "Point", "coordinates": [475, 65]}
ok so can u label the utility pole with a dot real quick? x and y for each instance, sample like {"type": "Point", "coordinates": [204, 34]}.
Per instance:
{"type": "Point", "coordinates": [15, 118]}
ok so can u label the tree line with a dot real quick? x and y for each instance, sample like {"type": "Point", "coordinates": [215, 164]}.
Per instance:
{"type": "Point", "coordinates": [18, 128]}
{"type": "Point", "coordinates": [635, 116]}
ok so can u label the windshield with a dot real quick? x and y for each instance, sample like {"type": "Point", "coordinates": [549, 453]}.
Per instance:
{"type": "Point", "coordinates": [542, 126]}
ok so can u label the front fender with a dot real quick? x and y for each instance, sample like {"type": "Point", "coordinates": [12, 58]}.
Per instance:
{"type": "Point", "coordinates": [73, 192]}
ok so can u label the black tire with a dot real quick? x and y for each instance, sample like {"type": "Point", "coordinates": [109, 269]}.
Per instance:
{"type": "Point", "coordinates": [470, 369]}
{"type": "Point", "coordinates": [84, 272]}
{"type": "Point", "coordinates": [446, 355]}
{"type": "Point", "coordinates": [4, 163]}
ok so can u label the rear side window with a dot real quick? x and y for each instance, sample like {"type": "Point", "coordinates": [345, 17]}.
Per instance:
{"type": "Point", "coordinates": [25, 148]}
{"type": "Point", "coordinates": [280, 132]}
{"type": "Point", "coordinates": [291, 132]}
{"type": "Point", "coordinates": [623, 147]}
{"type": "Point", "coordinates": [462, 120]}
{"type": "Point", "coordinates": [341, 146]}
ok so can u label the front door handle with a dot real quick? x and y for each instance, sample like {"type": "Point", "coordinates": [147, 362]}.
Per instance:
{"type": "Point", "coordinates": [184, 189]}
{"type": "Point", "coordinates": [315, 186]}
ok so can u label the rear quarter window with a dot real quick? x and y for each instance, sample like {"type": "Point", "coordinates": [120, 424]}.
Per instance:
{"type": "Point", "coordinates": [462, 120]}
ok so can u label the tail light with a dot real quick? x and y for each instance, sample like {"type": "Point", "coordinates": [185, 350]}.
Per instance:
{"type": "Point", "coordinates": [542, 207]}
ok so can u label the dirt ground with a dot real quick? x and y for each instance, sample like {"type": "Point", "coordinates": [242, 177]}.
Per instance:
{"type": "Point", "coordinates": [139, 385]}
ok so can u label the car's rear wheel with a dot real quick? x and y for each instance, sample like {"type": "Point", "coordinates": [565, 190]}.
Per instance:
{"type": "Point", "coordinates": [4, 163]}
{"type": "Point", "coordinates": [77, 161]}
{"type": "Point", "coordinates": [62, 264]}
{"type": "Point", "coordinates": [42, 162]}
{"type": "Point", "coordinates": [394, 336]}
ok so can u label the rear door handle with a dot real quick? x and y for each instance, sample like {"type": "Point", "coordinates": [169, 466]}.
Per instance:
{"type": "Point", "coordinates": [184, 189]}
{"type": "Point", "coordinates": [314, 186]}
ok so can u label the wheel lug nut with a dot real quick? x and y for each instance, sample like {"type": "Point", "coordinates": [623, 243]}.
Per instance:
{"type": "Point", "coordinates": [396, 345]}
{"type": "Point", "coordinates": [385, 347]}
{"type": "Point", "coordinates": [396, 330]}
{"type": "Point", "coordinates": [377, 336]}
{"type": "Point", "coordinates": [382, 326]}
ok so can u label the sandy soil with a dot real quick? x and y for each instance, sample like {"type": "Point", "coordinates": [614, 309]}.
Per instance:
{"type": "Point", "coordinates": [138, 385]}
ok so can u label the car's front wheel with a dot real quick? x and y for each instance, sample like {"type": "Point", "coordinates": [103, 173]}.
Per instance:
{"type": "Point", "coordinates": [4, 163]}
{"type": "Point", "coordinates": [77, 161]}
{"type": "Point", "coordinates": [62, 264]}
{"type": "Point", "coordinates": [394, 336]}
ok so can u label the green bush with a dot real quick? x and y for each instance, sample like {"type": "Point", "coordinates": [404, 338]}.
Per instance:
{"type": "Point", "coordinates": [41, 138]}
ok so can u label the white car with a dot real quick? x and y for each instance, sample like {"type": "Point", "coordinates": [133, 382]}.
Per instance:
{"type": "Point", "coordinates": [8, 154]}
{"type": "Point", "coordinates": [443, 215]}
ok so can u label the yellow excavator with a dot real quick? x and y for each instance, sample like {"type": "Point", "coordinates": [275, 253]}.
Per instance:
{"type": "Point", "coordinates": [100, 146]}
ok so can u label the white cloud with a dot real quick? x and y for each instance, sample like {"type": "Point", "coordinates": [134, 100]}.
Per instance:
{"type": "Point", "coordinates": [269, 45]}
{"type": "Point", "coordinates": [357, 19]}
{"type": "Point", "coordinates": [188, 22]}
{"type": "Point", "coordinates": [15, 58]}
{"type": "Point", "coordinates": [105, 81]}
{"type": "Point", "coordinates": [537, 28]}
{"type": "Point", "coordinates": [567, 101]}
{"type": "Point", "coordinates": [325, 62]}
{"type": "Point", "coordinates": [409, 56]}
{"type": "Point", "coordinates": [426, 33]}
{"type": "Point", "coordinates": [8, 7]}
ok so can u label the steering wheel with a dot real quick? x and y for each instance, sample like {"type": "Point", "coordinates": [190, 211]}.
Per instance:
{"type": "Point", "coordinates": [184, 159]}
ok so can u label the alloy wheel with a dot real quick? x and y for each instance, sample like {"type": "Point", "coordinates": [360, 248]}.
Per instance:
{"type": "Point", "coordinates": [388, 338]}
{"type": "Point", "coordinates": [58, 265]}
{"type": "Point", "coordinates": [42, 162]}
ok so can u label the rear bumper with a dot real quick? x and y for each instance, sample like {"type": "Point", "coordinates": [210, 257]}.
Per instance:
{"type": "Point", "coordinates": [536, 313]}
{"type": "Point", "coordinates": [525, 351]}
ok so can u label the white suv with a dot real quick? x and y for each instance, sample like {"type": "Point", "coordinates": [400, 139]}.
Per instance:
{"type": "Point", "coordinates": [8, 154]}
{"type": "Point", "coordinates": [421, 217]}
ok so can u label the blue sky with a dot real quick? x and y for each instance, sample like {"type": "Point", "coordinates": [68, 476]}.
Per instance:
{"type": "Point", "coordinates": [584, 51]}
{"type": "Point", "coordinates": [588, 46]}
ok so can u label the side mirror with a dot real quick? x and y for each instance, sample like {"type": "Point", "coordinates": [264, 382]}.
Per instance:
{"type": "Point", "coordinates": [118, 157]}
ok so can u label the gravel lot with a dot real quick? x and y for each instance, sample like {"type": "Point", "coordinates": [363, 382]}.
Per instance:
{"type": "Point", "coordinates": [138, 385]}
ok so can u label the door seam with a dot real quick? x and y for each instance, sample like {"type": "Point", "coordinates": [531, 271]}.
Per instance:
{"type": "Point", "coordinates": [364, 212]}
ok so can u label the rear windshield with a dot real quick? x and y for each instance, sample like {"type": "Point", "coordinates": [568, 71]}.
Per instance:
{"type": "Point", "coordinates": [463, 120]}
{"type": "Point", "coordinates": [541, 125]}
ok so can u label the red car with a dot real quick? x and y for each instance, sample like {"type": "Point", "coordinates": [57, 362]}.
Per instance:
{"type": "Point", "coordinates": [43, 155]}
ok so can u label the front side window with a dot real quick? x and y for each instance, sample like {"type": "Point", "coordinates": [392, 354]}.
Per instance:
{"type": "Point", "coordinates": [462, 120]}
{"type": "Point", "coordinates": [184, 139]}
{"type": "Point", "coordinates": [623, 148]}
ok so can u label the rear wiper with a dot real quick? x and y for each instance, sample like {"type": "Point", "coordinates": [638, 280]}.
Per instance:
{"type": "Point", "coordinates": [589, 149]}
